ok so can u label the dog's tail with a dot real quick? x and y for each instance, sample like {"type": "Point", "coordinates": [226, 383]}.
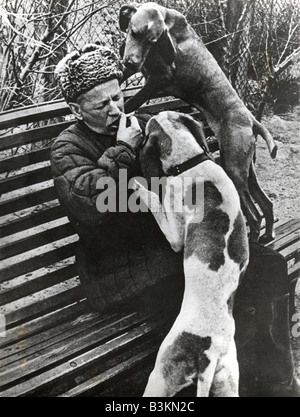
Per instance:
{"type": "Point", "coordinates": [259, 129]}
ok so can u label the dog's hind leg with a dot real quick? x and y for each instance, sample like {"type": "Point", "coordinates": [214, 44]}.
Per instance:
{"type": "Point", "coordinates": [157, 385]}
{"type": "Point", "coordinates": [265, 204]}
{"type": "Point", "coordinates": [176, 364]}
{"type": "Point", "coordinates": [183, 358]}
{"type": "Point", "coordinates": [249, 208]}
{"type": "Point", "coordinates": [252, 214]}
{"type": "Point", "coordinates": [237, 151]}
{"type": "Point", "coordinates": [226, 379]}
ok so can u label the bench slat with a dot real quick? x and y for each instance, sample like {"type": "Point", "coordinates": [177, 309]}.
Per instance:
{"type": "Point", "coordinates": [173, 104]}
{"type": "Point", "coordinates": [42, 323]}
{"type": "Point", "coordinates": [292, 252]}
{"type": "Point", "coordinates": [35, 241]}
{"type": "Point", "coordinates": [126, 385]}
{"type": "Point", "coordinates": [41, 283]}
{"type": "Point", "coordinates": [283, 230]}
{"type": "Point", "coordinates": [284, 226]}
{"type": "Point", "coordinates": [147, 354]}
{"type": "Point", "coordinates": [33, 199]}
{"type": "Point", "coordinates": [24, 180]}
{"type": "Point", "coordinates": [294, 272]}
{"type": "Point", "coordinates": [32, 220]}
{"type": "Point", "coordinates": [32, 264]}
{"type": "Point", "coordinates": [66, 349]}
{"type": "Point", "coordinates": [31, 136]}
{"type": "Point", "coordinates": [286, 235]}
{"type": "Point", "coordinates": [83, 361]}
{"type": "Point", "coordinates": [27, 348]}
{"type": "Point", "coordinates": [288, 240]}
{"type": "Point", "coordinates": [42, 111]}
{"type": "Point", "coordinates": [36, 113]}
{"type": "Point", "coordinates": [48, 305]}
{"type": "Point", "coordinates": [21, 161]}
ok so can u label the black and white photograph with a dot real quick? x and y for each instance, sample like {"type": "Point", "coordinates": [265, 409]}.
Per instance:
{"type": "Point", "coordinates": [149, 201]}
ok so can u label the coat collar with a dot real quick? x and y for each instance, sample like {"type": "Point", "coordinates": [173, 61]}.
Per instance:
{"type": "Point", "coordinates": [95, 139]}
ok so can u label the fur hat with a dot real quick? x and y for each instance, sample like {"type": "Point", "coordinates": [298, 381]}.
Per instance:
{"type": "Point", "coordinates": [80, 71]}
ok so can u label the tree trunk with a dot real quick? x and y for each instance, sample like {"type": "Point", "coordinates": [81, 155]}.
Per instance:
{"type": "Point", "coordinates": [234, 11]}
{"type": "Point", "coordinates": [58, 7]}
{"type": "Point", "coordinates": [239, 20]}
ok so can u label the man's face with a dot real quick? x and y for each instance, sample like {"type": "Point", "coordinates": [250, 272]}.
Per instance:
{"type": "Point", "coordinates": [101, 107]}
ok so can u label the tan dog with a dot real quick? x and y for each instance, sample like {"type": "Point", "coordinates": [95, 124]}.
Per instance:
{"type": "Point", "coordinates": [200, 347]}
{"type": "Point", "coordinates": [162, 45]}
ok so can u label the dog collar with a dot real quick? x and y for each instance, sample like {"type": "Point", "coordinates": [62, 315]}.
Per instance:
{"type": "Point", "coordinates": [191, 163]}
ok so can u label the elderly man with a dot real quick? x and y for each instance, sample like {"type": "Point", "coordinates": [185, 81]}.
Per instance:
{"type": "Point", "coordinates": [122, 257]}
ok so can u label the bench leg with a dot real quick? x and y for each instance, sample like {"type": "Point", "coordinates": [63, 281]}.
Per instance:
{"type": "Point", "coordinates": [292, 300]}
{"type": "Point", "coordinates": [275, 363]}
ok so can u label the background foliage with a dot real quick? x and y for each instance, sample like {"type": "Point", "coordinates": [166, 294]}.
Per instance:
{"type": "Point", "coordinates": [256, 42]}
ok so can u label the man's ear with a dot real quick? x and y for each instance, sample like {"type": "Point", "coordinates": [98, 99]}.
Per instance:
{"type": "Point", "coordinates": [125, 15]}
{"type": "Point", "coordinates": [166, 48]}
{"type": "Point", "coordinates": [197, 130]}
{"type": "Point", "coordinates": [76, 110]}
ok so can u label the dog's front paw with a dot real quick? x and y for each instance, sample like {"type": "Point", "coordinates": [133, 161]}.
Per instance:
{"type": "Point", "coordinates": [135, 185]}
{"type": "Point", "coordinates": [140, 190]}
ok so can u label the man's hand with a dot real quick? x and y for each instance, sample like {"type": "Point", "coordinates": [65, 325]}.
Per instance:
{"type": "Point", "coordinates": [132, 135]}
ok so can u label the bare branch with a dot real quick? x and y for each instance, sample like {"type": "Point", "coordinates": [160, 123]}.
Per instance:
{"type": "Point", "coordinates": [288, 42]}
{"type": "Point", "coordinates": [225, 36]}
{"type": "Point", "coordinates": [292, 58]}
{"type": "Point", "coordinates": [221, 15]}
{"type": "Point", "coordinates": [75, 29]}
{"type": "Point", "coordinates": [7, 22]}
{"type": "Point", "coordinates": [268, 56]}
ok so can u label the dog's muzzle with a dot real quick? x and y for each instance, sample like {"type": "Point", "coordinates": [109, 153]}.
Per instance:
{"type": "Point", "coordinates": [132, 66]}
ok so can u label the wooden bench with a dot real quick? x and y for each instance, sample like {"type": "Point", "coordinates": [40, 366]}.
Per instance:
{"type": "Point", "coordinates": [55, 346]}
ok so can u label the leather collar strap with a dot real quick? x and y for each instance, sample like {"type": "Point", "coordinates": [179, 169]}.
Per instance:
{"type": "Point", "coordinates": [191, 163]}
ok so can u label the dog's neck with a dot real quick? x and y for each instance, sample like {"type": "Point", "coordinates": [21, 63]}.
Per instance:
{"type": "Point", "coordinates": [181, 152]}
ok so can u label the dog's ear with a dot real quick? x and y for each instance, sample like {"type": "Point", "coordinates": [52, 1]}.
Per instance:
{"type": "Point", "coordinates": [166, 48]}
{"type": "Point", "coordinates": [197, 130]}
{"type": "Point", "coordinates": [125, 15]}
{"type": "Point", "coordinates": [150, 157]}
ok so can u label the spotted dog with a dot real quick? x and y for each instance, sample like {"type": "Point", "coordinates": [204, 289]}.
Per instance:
{"type": "Point", "coordinates": [200, 347]}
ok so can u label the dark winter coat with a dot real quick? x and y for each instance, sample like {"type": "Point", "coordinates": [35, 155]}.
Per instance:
{"type": "Point", "coordinates": [121, 257]}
